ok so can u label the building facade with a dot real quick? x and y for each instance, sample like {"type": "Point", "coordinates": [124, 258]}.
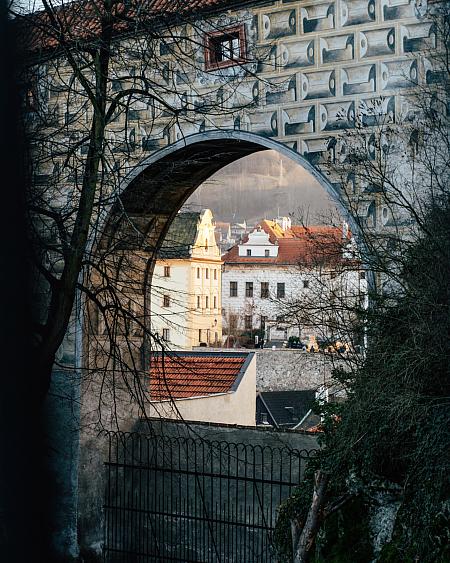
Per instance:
{"type": "Point", "coordinates": [287, 281]}
{"type": "Point", "coordinates": [186, 288]}
{"type": "Point", "coordinates": [217, 387]}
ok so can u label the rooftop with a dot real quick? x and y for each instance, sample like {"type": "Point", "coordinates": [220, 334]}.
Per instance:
{"type": "Point", "coordinates": [181, 375]}
{"type": "Point", "coordinates": [81, 20]}
{"type": "Point", "coordinates": [180, 236]}
{"type": "Point", "coordinates": [310, 247]}
{"type": "Point", "coordinates": [287, 408]}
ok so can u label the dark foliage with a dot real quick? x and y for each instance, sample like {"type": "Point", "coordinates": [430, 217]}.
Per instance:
{"type": "Point", "coordinates": [394, 430]}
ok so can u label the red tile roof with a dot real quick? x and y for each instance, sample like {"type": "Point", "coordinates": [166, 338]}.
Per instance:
{"type": "Point", "coordinates": [304, 246]}
{"type": "Point", "coordinates": [194, 375]}
{"type": "Point", "coordinates": [80, 20]}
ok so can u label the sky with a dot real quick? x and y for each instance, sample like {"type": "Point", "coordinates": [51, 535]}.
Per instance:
{"type": "Point", "coordinates": [263, 186]}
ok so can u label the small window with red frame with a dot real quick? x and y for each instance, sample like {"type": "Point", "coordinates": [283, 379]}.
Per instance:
{"type": "Point", "coordinates": [225, 48]}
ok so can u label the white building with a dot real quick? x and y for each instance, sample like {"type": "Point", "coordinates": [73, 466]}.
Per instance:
{"type": "Point", "coordinates": [276, 282]}
{"type": "Point", "coordinates": [186, 284]}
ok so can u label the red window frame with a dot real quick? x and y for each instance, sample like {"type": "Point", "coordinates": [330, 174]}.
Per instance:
{"type": "Point", "coordinates": [210, 63]}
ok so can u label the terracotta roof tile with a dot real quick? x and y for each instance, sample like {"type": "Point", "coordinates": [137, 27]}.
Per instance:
{"type": "Point", "coordinates": [305, 246]}
{"type": "Point", "coordinates": [192, 375]}
{"type": "Point", "coordinates": [80, 20]}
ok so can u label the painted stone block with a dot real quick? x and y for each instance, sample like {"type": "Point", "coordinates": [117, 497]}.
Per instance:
{"type": "Point", "coordinates": [185, 129]}
{"type": "Point", "coordinates": [282, 90]}
{"type": "Point", "coordinates": [353, 12]}
{"type": "Point", "coordinates": [338, 48]}
{"type": "Point", "coordinates": [320, 84]}
{"type": "Point", "coordinates": [418, 37]}
{"type": "Point", "coordinates": [314, 150]}
{"type": "Point", "coordinates": [401, 9]}
{"type": "Point", "coordinates": [299, 120]}
{"type": "Point", "coordinates": [242, 122]}
{"type": "Point", "coordinates": [264, 123]}
{"type": "Point", "coordinates": [279, 24]}
{"type": "Point", "coordinates": [409, 108]}
{"type": "Point", "coordinates": [318, 17]}
{"type": "Point", "coordinates": [398, 74]}
{"type": "Point", "coordinates": [433, 73]}
{"type": "Point", "coordinates": [358, 79]}
{"type": "Point", "coordinates": [337, 115]}
{"type": "Point", "coordinates": [246, 95]}
{"type": "Point", "coordinates": [268, 59]}
{"type": "Point", "coordinates": [377, 42]}
{"type": "Point", "coordinates": [373, 111]}
{"type": "Point", "coordinates": [152, 142]}
{"type": "Point", "coordinates": [299, 54]}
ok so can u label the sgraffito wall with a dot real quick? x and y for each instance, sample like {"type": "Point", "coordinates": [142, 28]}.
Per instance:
{"type": "Point", "coordinates": [312, 71]}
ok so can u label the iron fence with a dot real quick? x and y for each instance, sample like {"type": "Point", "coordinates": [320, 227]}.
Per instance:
{"type": "Point", "coordinates": [191, 500]}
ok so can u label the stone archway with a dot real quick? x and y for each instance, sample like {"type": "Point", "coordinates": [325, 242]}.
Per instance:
{"type": "Point", "coordinates": [150, 196]}
{"type": "Point", "coordinates": [162, 182]}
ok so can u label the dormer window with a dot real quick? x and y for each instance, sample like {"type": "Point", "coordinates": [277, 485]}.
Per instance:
{"type": "Point", "coordinates": [225, 48]}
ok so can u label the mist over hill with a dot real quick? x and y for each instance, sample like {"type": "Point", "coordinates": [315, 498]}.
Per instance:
{"type": "Point", "coordinates": [263, 185]}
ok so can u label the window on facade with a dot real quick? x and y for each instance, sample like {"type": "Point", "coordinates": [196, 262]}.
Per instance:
{"type": "Point", "coordinates": [215, 301]}
{"type": "Point", "coordinates": [207, 302]}
{"type": "Point", "coordinates": [167, 271]}
{"type": "Point", "coordinates": [199, 304]}
{"type": "Point", "coordinates": [215, 274]}
{"type": "Point", "coordinates": [248, 289]}
{"type": "Point", "coordinates": [225, 48]}
{"type": "Point", "coordinates": [198, 273]}
{"type": "Point", "coordinates": [206, 244]}
{"type": "Point", "coordinates": [305, 284]}
{"type": "Point", "coordinates": [264, 290]}
{"type": "Point", "coordinates": [281, 290]}
{"type": "Point", "coordinates": [249, 251]}
{"type": "Point", "coordinates": [263, 322]}
{"type": "Point", "coordinates": [248, 322]}
{"type": "Point", "coordinates": [166, 334]}
{"type": "Point", "coordinates": [207, 273]}
{"type": "Point", "coordinates": [267, 253]}
{"type": "Point", "coordinates": [233, 289]}
{"type": "Point", "coordinates": [199, 334]}
{"type": "Point", "coordinates": [232, 322]}
{"type": "Point", "coordinates": [166, 301]}
{"type": "Point", "coordinates": [362, 275]}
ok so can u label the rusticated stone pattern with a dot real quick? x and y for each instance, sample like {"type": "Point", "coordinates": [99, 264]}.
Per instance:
{"type": "Point", "coordinates": [323, 65]}
{"type": "Point", "coordinates": [314, 69]}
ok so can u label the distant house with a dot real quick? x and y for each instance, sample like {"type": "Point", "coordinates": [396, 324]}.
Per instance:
{"type": "Point", "coordinates": [186, 284]}
{"type": "Point", "coordinates": [204, 386]}
{"type": "Point", "coordinates": [228, 234]}
{"type": "Point", "coordinates": [285, 409]}
{"type": "Point", "coordinates": [278, 266]}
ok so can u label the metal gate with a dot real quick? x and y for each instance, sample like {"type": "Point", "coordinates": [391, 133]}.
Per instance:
{"type": "Point", "coordinates": [190, 500]}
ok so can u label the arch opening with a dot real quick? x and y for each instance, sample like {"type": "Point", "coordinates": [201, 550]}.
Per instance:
{"type": "Point", "coordinates": [150, 197]}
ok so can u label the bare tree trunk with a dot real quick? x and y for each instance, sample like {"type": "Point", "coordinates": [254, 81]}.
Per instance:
{"type": "Point", "coordinates": [302, 551]}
